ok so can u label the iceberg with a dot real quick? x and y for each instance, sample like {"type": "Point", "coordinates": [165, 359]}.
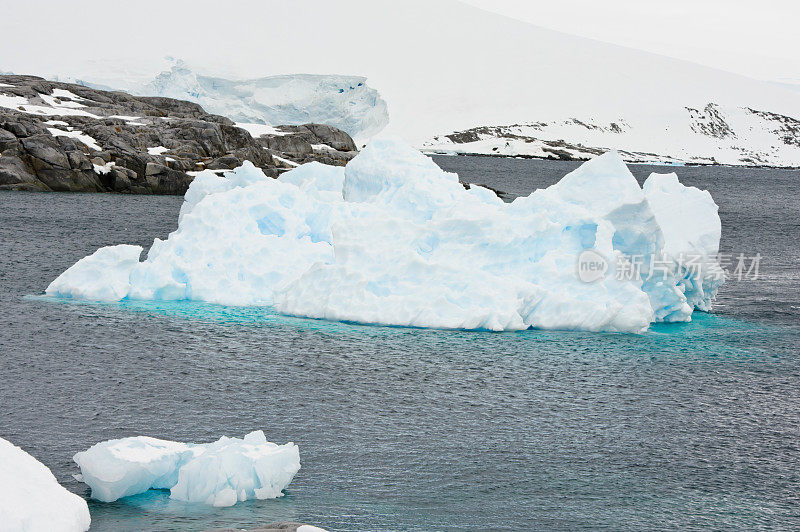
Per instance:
{"type": "Point", "coordinates": [221, 473]}
{"type": "Point", "coordinates": [32, 500]}
{"type": "Point", "coordinates": [392, 239]}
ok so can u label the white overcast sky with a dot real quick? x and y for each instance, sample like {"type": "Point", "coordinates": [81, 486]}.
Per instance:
{"type": "Point", "coordinates": [757, 38]}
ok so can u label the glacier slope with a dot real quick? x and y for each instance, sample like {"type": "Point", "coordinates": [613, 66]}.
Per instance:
{"type": "Point", "coordinates": [346, 102]}
{"type": "Point", "coordinates": [392, 239]}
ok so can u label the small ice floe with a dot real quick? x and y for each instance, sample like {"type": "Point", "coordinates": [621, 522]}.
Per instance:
{"type": "Point", "coordinates": [221, 473]}
{"type": "Point", "coordinates": [32, 500]}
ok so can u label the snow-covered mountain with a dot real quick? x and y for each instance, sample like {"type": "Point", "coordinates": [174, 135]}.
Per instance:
{"type": "Point", "coordinates": [454, 78]}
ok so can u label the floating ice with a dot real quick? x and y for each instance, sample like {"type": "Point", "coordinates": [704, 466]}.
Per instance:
{"type": "Point", "coordinates": [392, 239]}
{"type": "Point", "coordinates": [219, 473]}
{"type": "Point", "coordinates": [692, 230]}
{"type": "Point", "coordinates": [32, 500]}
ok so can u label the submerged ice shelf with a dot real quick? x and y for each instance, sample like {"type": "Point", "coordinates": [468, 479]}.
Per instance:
{"type": "Point", "coordinates": [392, 239]}
{"type": "Point", "coordinates": [221, 473]}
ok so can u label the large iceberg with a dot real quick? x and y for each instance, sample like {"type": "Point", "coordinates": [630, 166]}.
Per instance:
{"type": "Point", "coordinates": [221, 473]}
{"type": "Point", "coordinates": [32, 500]}
{"type": "Point", "coordinates": [392, 239]}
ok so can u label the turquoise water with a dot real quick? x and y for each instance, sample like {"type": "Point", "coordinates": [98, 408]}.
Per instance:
{"type": "Point", "coordinates": [689, 426]}
{"type": "Point", "coordinates": [412, 429]}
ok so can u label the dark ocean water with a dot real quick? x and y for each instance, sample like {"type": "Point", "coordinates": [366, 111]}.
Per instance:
{"type": "Point", "coordinates": [690, 426]}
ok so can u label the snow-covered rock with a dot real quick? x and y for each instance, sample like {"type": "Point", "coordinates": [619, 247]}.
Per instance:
{"type": "Point", "coordinates": [392, 239]}
{"type": "Point", "coordinates": [221, 473]}
{"type": "Point", "coordinates": [32, 500]}
{"type": "Point", "coordinates": [99, 144]}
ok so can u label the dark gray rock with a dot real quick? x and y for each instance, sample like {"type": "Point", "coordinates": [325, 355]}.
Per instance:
{"type": "Point", "coordinates": [289, 145]}
{"type": "Point", "coordinates": [333, 137]}
{"type": "Point", "coordinates": [15, 175]}
{"type": "Point", "coordinates": [47, 150]}
{"type": "Point", "coordinates": [311, 142]}
{"type": "Point", "coordinates": [220, 163]}
{"type": "Point", "coordinates": [31, 157]}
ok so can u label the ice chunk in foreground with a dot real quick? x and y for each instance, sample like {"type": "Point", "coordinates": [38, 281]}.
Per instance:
{"type": "Point", "coordinates": [221, 473]}
{"type": "Point", "coordinates": [392, 239]}
{"type": "Point", "coordinates": [32, 500]}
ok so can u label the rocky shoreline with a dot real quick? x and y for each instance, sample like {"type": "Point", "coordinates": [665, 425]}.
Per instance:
{"type": "Point", "coordinates": [65, 137]}
{"type": "Point", "coordinates": [568, 158]}
{"type": "Point", "coordinates": [552, 157]}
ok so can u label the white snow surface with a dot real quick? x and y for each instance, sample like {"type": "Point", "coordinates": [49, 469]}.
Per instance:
{"type": "Point", "coordinates": [88, 140]}
{"type": "Point", "coordinates": [103, 169]}
{"type": "Point", "coordinates": [256, 130]}
{"type": "Point", "coordinates": [392, 239]}
{"type": "Point", "coordinates": [53, 107]}
{"type": "Point", "coordinates": [157, 150]}
{"type": "Point", "coordinates": [32, 500]}
{"type": "Point", "coordinates": [221, 473]}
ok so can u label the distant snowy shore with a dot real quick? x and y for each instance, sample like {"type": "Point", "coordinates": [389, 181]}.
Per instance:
{"type": "Point", "coordinates": [696, 132]}
{"type": "Point", "coordinates": [583, 157]}
{"type": "Point", "coordinates": [713, 135]}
